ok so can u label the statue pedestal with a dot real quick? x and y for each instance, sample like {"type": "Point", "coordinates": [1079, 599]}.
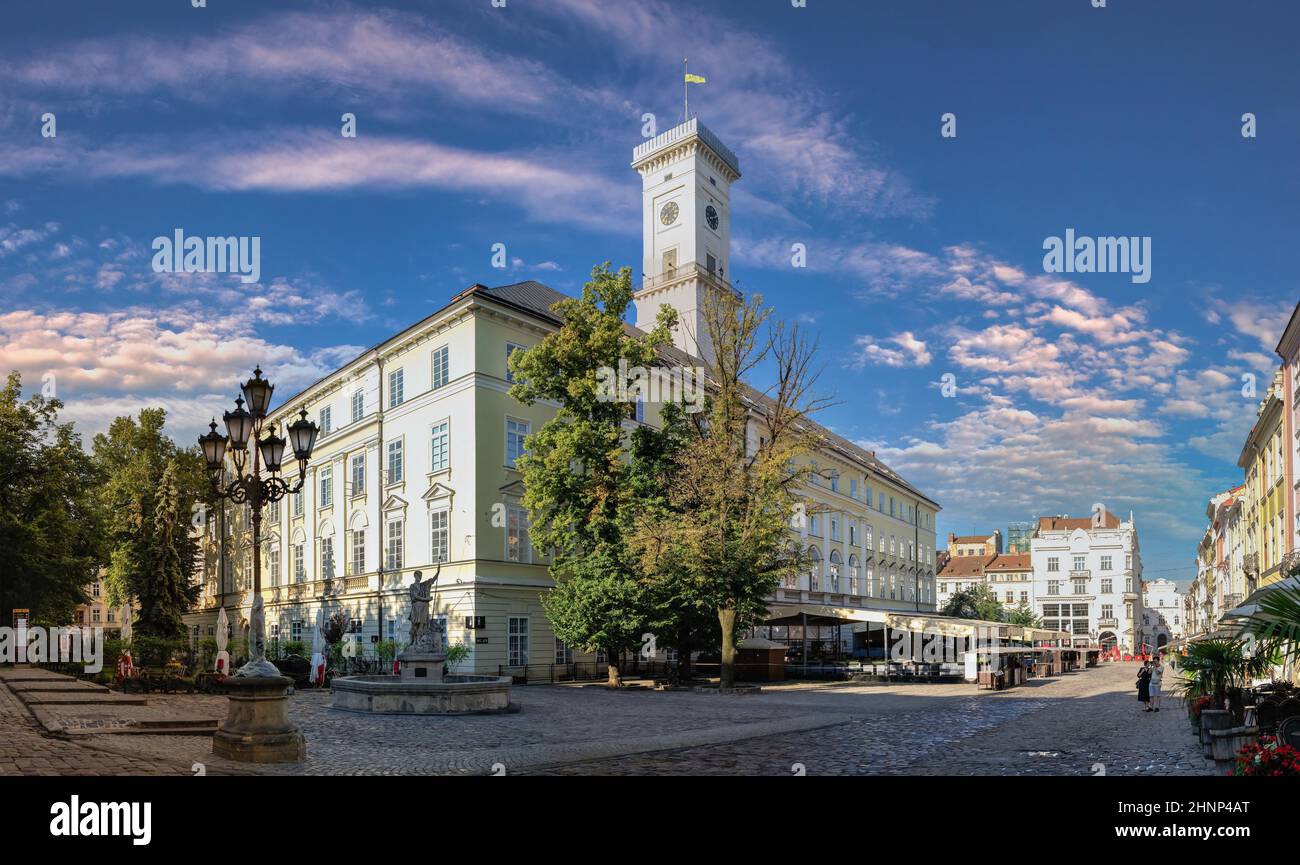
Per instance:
{"type": "Point", "coordinates": [423, 667]}
{"type": "Point", "coordinates": [257, 728]}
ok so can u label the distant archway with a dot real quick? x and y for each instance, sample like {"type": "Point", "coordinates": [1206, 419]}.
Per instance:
{"type": "Point", "coordinates": [1162, 641]}
{"type": "Point", "coordinates": [1107, 641]}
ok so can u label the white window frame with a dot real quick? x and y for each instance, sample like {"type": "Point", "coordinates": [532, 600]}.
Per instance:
{"type": "Point", "coordinates": [325, 486]}
{"type": "Point", "coordinates": [434, 435]}
{"type": "Point", "coordinates": [394, 544]}
{"type": "Point", "coordinates": [518, 543]}
{"type": "Point", "coordinates": [440, 367]}
{"type": "Point", "coordinates": [358, 478]}
{"type": "Point", "coordinates": [358, 405]}
{"type": "Point", "coordinates": [396, 387]}
{"type": "Point", "coordinates": [439, 535]}
{"type": "Point", "coordinates": [517, 641]}
{"type": "Point", "coordinates": [511, 462]}
{"type": "Point", "coordinates": [400, 445]}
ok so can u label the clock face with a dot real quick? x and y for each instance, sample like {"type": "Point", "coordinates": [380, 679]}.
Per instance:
{"type": "Point", "coordinates": [711, 217]}
{"type": "Point", "coordinates": [669, 214]}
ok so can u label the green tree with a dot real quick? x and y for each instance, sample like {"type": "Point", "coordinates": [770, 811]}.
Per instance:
{"type": "Point", "coordinates": [50, 524]}
{"type": "Point", "coordinates": [149, 495]}
{"type": "Point", "coordinates": [1024, 615]}
{"type": "Point", "coordinates": [732, 492]}
{"type": "Point", "coordinates": [577, 469]}
{"type": "Point", "coordinates": [978, 602]}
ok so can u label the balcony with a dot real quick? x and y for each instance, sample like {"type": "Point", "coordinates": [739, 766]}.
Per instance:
{"type": "Point", "coordinates": [1080, 575]}
{"type": "Point", "coordinates": [686, 271]}
{"type": "Point", "coordinates": [1108, 623]}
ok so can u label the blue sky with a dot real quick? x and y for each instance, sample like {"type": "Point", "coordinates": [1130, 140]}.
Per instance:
{"type": "Point", "coordinates": [479, 125]}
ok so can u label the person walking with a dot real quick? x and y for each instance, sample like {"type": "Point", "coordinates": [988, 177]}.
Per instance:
{"type": "Point", "coordinates": [1144, 686]}
{"type": "Point", "coordinates": [1153, 689]}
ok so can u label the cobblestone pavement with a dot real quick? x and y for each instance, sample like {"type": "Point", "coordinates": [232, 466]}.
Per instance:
{"type": "Point", "coordinates": [1064, 725]}
{"type": "Point", "coordinates": [24, 751]}
{"type": "Point", "coordinates": [1087, 723]}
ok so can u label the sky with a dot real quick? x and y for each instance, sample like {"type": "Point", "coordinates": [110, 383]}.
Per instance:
{"type": "Point", "coordinates": [479, 125]}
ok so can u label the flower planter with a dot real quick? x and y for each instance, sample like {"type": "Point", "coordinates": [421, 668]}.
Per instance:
{"type": "Point", "coordinates": [1213, 719]}
{"type": "Point", "coordinates": [1224, 744]}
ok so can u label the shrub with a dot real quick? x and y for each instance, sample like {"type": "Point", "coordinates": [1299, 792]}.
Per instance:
{"type": "Point", "coordinates": [295, 647]}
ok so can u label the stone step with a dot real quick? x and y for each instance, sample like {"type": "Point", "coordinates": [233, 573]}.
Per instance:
{"type": "Point", "coordinates": [60, 688]}
{"type": "Point", "coordinates": [107, 699]}
{"type": "Point", "coordinates": [171, 723]}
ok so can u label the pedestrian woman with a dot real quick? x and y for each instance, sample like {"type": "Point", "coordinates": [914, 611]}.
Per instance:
{"type": "Point", "coordinates": [1153, 690]}
{"type": "Point", "coordinates": [1144, 685]}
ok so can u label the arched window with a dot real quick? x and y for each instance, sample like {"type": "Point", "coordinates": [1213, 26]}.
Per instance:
{"type": "Point", "coordinates": [836, 562]}
{"type": "Point", "coordinates": [855, 588]}
{"type": "Point", "coordinates": [814, 569]}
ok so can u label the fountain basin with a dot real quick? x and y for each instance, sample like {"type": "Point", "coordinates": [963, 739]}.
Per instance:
{"type": "Point", "coordinates": [395, 695]}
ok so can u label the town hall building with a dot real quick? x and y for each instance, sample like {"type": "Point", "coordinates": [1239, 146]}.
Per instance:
{"type": "Point", "coordinates": [416, 468]}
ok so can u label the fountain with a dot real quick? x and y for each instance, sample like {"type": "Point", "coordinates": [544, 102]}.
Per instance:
{"type": "Point", "coordinates": [422, 688]}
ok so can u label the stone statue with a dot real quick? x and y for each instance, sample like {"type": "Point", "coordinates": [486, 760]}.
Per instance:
{"type": "Point", "coordinates": [423, 636]}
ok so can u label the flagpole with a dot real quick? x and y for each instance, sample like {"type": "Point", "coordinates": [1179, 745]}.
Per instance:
{"type": "Point", "coordinates": [686, 91]}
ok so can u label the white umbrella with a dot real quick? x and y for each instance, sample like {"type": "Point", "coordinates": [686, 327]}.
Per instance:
{"type": "Point", "coordinates": [127, 615]}
{"type": "Point", "coordinates": [223, 626]}
{"type": "Point", "coordinates": [317, 655]}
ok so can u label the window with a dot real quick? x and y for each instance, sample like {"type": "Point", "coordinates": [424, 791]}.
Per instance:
{"type": "Point", "coordinates": [638, 410]}
{"type": "Point", "coordinates": [438, 546]}
{"type": "Point", "coordinates": [1011, 597]}
{"type": "Point", "coordinates": [563, 652]}
{"type": "Point", "coordinates": [395, 392]}
{"type": "Point", "coordinates": [299, 569]}
{"type": "Point", "coordinates": [358, 475]}
{"type": "Point", "coordinates": [511, 348]}
{"type": "Point", "coordinates": [835, 529]}
{"type": "Point", "coordinates": [1024, 597]}
{"type": "Point", "coordinates": [358, 406]}
{"type": "Point", "coordinates": [273, 564]}
{"type": "Point", "coordinates": [1053, 564]}
{"type": "Point", "coordinates": [441, 367]}
{"type": "Point", "coordinates": [517, 546]}
{"type": "Point", "coordinates": [295, 631]}
{"type": "Point", "coordinates": [1107, 563]}
{"type": "Point", "coordinates": [1107, 611]}
{"type": "Point", "coordinates": [1107, 586]}
{"type": "Point", "coordinates": [327, 558]}
{"type": "Point", "coordinates": [1080, 587]}
{"type": "Point", "coordinates": [1080, 563]}
{"type": "Point", "coordinates": [853, 534]}
{"type": "Point", "coordinates": [517, 630]}
{"type": "Point", "coordinates": [94, 615]}
{"type": "Point", "coordinates": [297, 503]}
{"type": "Point", "coordinates": [868, 539]}
{"type": "Point", "coordinates": [1053, 587]}
{"type": "Point", "coordinates": [516, 432]}
{"type": "Point", "coordinates": [853, 488]}
{"type": "Point", "coordinates": [326, 487]}
{"type": "Point", "coordinates": [96, 590]}
{"type": "Point", "coordinates": [326, 418]}
{"type": "Point", "coordinates": [357, 552]}
{"type": "Point", "coordinates": [441, 447]}
{"type": "Point", "coordinates": [835, 481]}
{"type": "Point", "coordinates": [814, 526]}
{"type": "Point", "coordinates": [393, 556]}
{"type": "Point", "coordinates": [395, 463]}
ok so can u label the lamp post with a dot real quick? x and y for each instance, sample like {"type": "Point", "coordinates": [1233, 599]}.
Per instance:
{"type": "Point", "coordinates": [257, 729]}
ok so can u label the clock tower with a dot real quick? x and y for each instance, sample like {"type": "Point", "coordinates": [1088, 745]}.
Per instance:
{"type": "Point", "coordinates": [686, 176]}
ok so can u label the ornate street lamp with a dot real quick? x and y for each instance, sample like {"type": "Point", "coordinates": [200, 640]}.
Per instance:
{"type": "Point", "coordinates": [257, 729]}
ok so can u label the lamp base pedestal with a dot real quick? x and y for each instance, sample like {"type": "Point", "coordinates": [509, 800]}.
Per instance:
{"type": "Point", "coordinates": [257, 728]}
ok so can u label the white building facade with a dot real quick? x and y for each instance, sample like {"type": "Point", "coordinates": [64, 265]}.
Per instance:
{"type": "Point", "coordinates": [1162, 605]}
{"type": "Point", "coordinates": [415, 467]}
{"type": "Point", "coordinates": [1087, 579]}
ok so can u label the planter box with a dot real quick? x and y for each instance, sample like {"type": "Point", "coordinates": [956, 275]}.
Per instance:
{"type": "Point", "coordinates": [1213, 719]}
{"type": "Point", "coordinates": [1224, 744]}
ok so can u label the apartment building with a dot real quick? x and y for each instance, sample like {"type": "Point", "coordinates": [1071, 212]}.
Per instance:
{"type": "Point", "coordinates": [1087, 579]}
